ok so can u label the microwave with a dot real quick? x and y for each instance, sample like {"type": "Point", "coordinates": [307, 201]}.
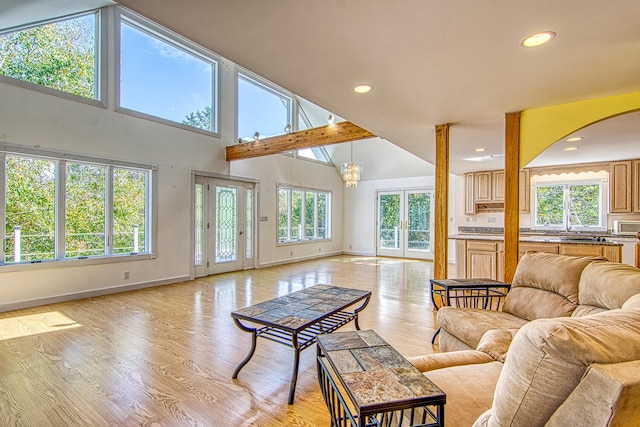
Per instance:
{"type": "Point", "coordinates": [626, 228]}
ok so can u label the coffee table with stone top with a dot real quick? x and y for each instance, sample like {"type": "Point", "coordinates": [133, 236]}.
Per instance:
{"type": "Point", "coordinates": [296, 319]}
{"type": "Point", "coordinates": [366, 382]}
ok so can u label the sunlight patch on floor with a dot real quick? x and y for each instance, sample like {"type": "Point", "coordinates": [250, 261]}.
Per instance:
{"type": "Point", "coordinates": [33, 324]}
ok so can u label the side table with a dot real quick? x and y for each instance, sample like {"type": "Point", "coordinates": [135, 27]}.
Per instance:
{"type": "Point", "coordinates": [366, 382]}
{"type": "Point", "coordinates": [487, 294]}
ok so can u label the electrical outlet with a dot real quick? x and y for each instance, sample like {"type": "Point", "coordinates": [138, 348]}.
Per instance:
{"type": "Point", "coordinates": [492, 219]}
{"type": "Point", "coordinates": [126, 275]}
{"type": "Point", "coordinates": [291, 253]}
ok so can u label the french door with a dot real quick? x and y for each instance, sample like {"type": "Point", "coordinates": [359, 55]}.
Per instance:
{"type": "Point", "coordinates": [404, 224]}
{"type": "Point", "coordinates": [224, 232]}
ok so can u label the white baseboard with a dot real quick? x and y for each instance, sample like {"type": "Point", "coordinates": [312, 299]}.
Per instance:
{"type": "Point", "coordinates": [89, 294]}
{"type": "Point", "coordinates": [292, 260]}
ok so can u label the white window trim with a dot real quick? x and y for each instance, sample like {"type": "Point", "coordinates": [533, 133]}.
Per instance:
{"type": "Point", "coordinates": [303, 239]}
{"type": "Point", "coordinates": [260, 81]}
{"type": "Point", "coordinates": [566, 225]}
{"type": "Point", "coordinates": [155, 30]}
{"type": "Point", "coordinates": [100, 58]}
{"type": "Point", "coordinates": [62, 158]}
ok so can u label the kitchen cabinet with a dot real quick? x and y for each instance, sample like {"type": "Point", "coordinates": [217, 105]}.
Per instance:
{"type": "Point", "coordinates": [524, 191]}
{"type": "Point", "coordinates": [635, 186]}
{"type": "Point", "coordinates": [482, 187]}
{"type": "Point", "coordinates": [611, 253]}
{"type": "Point", "coordinates": [485, 260]}
{"type": "Point", "coordinates": [620, 187]}
{"type": "Point", "coordinates": [485, 191]}
{"type": "Point", "coordinates": [469, 194]}
{"type": "Point", "coordinates": [497, 185]}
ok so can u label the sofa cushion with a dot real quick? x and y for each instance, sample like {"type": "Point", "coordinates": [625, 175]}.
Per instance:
{"type": "Point", "coordinates": [466, 403]}
{"type": "Point", "coordinates": [608, 395]}
{"type": "Point", "coordinates": [470, 324]}
{"type": "Point", "coordinates": [545, 285]}
{"type": "Point", "coordinates": [608, 284]}
{"type": "Point", "coordinates": [548, 358]}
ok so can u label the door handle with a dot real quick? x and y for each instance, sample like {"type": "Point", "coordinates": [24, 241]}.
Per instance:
{"type": "Point", "coordinates": [241, 232]}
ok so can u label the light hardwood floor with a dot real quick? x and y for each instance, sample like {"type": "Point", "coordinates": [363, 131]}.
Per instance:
{"type": "Point", "coordinates": [164, 356]}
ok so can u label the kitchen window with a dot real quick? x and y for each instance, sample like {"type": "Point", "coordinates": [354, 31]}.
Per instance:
{"type": "Point", "coordinates": [569, 206]}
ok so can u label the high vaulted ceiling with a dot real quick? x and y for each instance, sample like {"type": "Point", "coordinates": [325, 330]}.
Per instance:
{"type": "Point", "coordinates": [430, 61]}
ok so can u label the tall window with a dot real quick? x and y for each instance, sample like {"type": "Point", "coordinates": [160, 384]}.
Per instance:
{"type": "Point", "coordinates": [303, 215]}
{"type": "Point", "coordinates": [36, 206]}
{"type": "Point", "coordinates": [262, 108]}
{"type": "Point", "coordinates": [30, 209]}
{"type": "Point", "coordinates": [61, 55]}
{"type": "Point", "coordinates": [166, 78]}
{"type": "Point", "coordinates": [85, 210]}
{"type": "Point", "coordinates": [569, 206]}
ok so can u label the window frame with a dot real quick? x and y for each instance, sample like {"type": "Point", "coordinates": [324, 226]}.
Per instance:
{"type": "Point", "coordinates": [566, 184]}
{"type": "Point", "coordinates": [176, 41]}
{"type": "Point", "coordinates": [261, 82]}
{"type": "Point", "coordinates": [303, 239]}
{"type": "Point", "coordinates": [61, 159]}
{"type": "Point", "coordinates": [101, 61]}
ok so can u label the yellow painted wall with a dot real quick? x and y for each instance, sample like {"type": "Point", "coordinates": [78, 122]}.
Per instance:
{"type": "Point", "coordinates": [542, 127]}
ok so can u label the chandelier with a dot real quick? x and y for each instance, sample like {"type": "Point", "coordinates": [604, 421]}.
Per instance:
{"type": "Point", "coordinates": [351, 172]}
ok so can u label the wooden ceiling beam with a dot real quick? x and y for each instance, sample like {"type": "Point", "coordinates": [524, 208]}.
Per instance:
{"type": "Point", "coordinates": [315, 137]}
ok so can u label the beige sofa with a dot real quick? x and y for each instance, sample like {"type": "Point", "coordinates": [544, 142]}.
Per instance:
{"type": "Point", "coordinates": [565, 350]}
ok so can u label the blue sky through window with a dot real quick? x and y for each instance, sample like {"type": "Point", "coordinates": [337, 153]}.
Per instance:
{"type": "Point", "coordinates": [159, 79]}
{"type": "Point", "coordinates": [261, 110]}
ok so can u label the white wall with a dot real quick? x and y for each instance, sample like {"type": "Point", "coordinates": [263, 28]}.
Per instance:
{"type": "Point", "coordinates": [281, 169]}
{"type": "Point", "coordinates": [360, 210]}
{"type": "Point", "coordinates": [35, 119]}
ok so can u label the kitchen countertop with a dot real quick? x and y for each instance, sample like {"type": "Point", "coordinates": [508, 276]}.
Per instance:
{"type": "Point", "coordinates": [570, 240]}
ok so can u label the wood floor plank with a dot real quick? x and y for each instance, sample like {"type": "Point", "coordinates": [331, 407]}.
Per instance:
{"type": "Point", "coordinates": [164, 356]}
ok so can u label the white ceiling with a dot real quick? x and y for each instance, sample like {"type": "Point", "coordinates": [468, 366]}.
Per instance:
{"type": "Point", "coordinates": [430, 61]}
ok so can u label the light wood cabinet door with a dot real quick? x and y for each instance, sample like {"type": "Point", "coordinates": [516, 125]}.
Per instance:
{"type": "Point", "coordinates": [620, 177]}
{"type": "Point", "coordinates": [469, 194]}
{"type": "Point", "coordinates": [482, 187]}
{"type": "Point", "coordinates": [581, 250]}
{"type": "Point", "coordinates": [612, 253]}
{"type": "Point", "coordinates": [461, 259]}
{"type": "Point", "coordinates": [497, 185]}
{"type": "Point", "coordinates": [481, 264]}
{"type": "Point", "coordinates": [524, 191]}
{"type": "Point", "coordinates": [635, 186]}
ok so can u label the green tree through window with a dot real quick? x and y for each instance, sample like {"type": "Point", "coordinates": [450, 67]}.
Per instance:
{"type": "Point", "coordinates": [59, 55]}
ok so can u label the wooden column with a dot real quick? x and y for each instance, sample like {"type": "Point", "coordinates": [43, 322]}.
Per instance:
{"type": "Point", "coordinates": [511, 199]}
{"type": "Point", "coordinates": [441, 231]}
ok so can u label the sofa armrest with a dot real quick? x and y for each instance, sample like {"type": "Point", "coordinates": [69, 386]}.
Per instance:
{"type": "Point", "coordinates": [496, 342]}
{"type": "Point", "coordinates": [607, 395]}
{"type": "Point", "coordinates": [430, 362]}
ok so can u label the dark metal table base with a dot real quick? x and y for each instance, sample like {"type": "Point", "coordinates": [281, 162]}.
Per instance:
{"type": "Point", "coordinates": [299, 338]}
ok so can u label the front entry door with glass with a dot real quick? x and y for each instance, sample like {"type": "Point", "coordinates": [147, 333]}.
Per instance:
{"type": "Point", "coordinates": [405, 224]}
{"type": "Point", "coordinates": [224, 232]}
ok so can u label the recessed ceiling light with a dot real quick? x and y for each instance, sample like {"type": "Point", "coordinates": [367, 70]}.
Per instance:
{"type": "Point", "coordinates": [363, 88]}
{"type": "Point", "coordinates": [570, 148]}
{"type": "Point", "coordinates": [480, 149]}
{"type": "Point", "coordinates": [574, 139]}
{"type": "Point", "coordinates": [538, 39]}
